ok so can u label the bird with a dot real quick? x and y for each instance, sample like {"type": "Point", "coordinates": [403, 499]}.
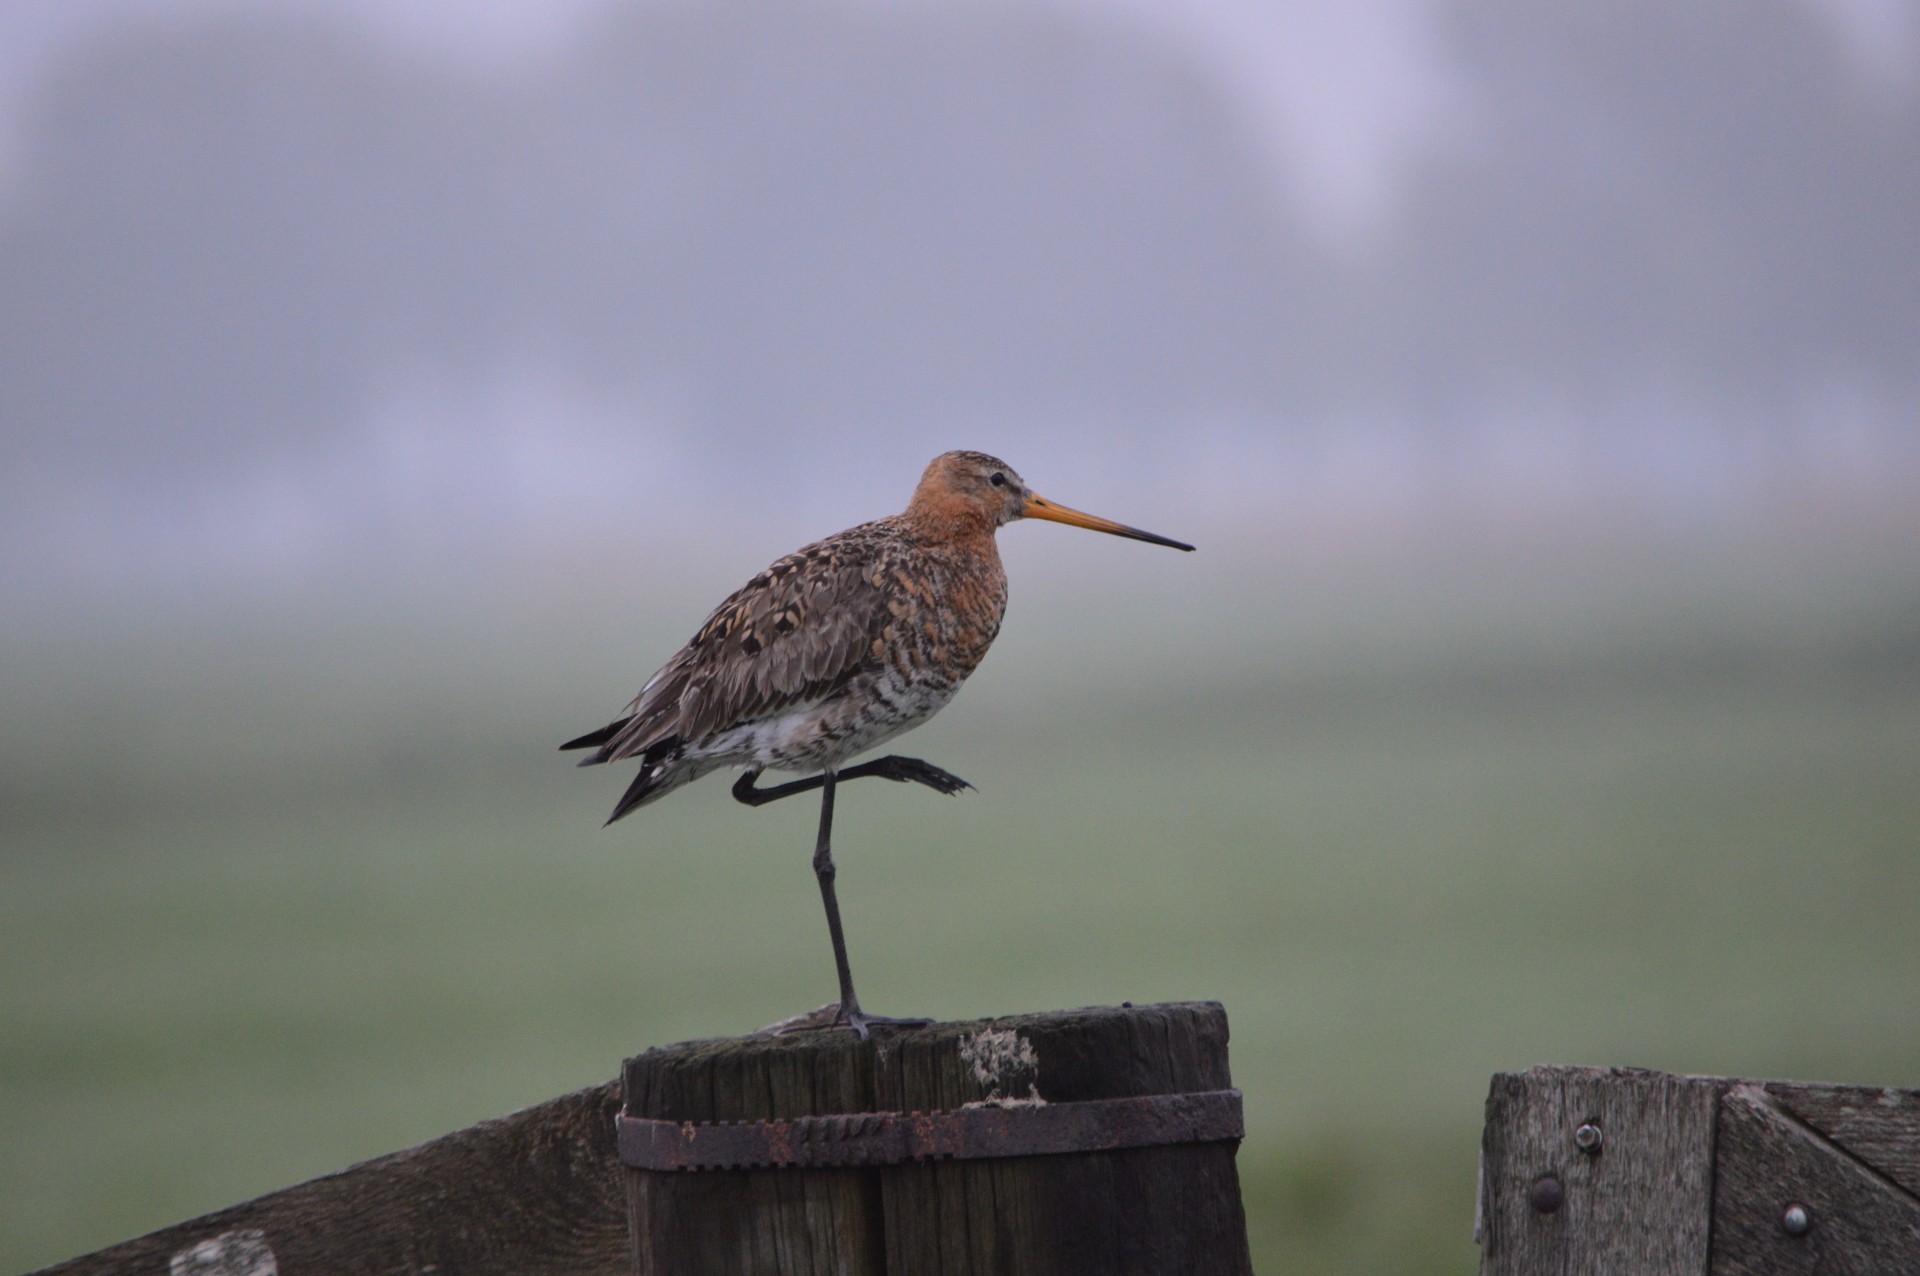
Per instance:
{"type": "Point", "coordinates": [832, 651]}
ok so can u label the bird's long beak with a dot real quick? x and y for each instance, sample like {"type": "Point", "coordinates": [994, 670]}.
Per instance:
{"type": "Point", "coordinates": [1040, 507]}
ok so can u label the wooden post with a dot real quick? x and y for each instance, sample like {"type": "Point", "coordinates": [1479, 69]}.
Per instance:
{"type": "Point", "coordinates": [1173, 1208]}
{"type": "Point", "coordinates": [1587, 1170]}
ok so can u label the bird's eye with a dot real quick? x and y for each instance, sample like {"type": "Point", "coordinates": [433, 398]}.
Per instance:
{"type": "Point", "coordinates": [998, 479]}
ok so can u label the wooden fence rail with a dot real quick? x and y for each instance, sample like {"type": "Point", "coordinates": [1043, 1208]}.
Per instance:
{"type": "Point", "coordinates": [1085, 1141]}
{"type": "Point", "coordinates": [1588, 1170]}
{"type": "Point", "coordinates": [539, 1192]}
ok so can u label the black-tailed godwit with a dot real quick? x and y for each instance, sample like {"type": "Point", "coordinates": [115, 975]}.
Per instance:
{"type": "Point", "coordinates": [833, 650]}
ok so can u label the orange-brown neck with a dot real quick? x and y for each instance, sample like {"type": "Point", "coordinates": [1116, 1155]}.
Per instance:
{"type": "Point", "coordinates": [939, 513]}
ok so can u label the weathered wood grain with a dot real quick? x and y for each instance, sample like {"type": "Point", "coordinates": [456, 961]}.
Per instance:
{"type": "Point", "coordinates": [1848, 1156]}
{"type": "Point", "coordinates": [1140, 1210]}
{"type": "Point", "coordinates": [1858, 1221]}
{"type": "Point", "coordinates": [748, 1221]}
{"type": "Point", "coordinates": [537, 1193]}
{"type": "Point", "coordinates": [1145, 1210]}
{"type": "Point", "coordinates": [1880, 1126]}
{"type": "Point", "coordinates": [1639, 1204]}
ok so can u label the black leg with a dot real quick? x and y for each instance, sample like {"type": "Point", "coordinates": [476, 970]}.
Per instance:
{"type": "Point", "coordinates": [824, 870]}
{"type": "Point", "coordinates": [850, 1012]}
{"type": "Point", "coordinates": [888, 768]}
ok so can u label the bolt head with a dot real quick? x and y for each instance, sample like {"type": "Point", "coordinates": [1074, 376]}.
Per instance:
{"type": "Point", "coordinates": [1796, 1220]}
{"type": "Point", "coordinates": [1588, 1138]}
{"type": "Point", "coordinates": [1546, 1195]}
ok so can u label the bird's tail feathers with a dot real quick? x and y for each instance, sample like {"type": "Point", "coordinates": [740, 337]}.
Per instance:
{"type": "Point", "coordinates": [596, 739]}
{"type": "Point", "coordinates": [662, 770]}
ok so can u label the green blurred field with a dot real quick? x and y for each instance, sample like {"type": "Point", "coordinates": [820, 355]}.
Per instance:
{"type": "Point", "coordinates": [294, 884]}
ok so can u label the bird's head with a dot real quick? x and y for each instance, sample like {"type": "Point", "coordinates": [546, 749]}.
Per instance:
{"type": "Point", "coordinates": [972, 487]}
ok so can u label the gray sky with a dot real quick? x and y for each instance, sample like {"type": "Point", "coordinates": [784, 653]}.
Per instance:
{"type": "Point", "coordinates": [297, 289]}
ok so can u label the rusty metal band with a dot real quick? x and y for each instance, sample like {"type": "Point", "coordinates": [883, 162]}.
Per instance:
{"type": "Point", "coordinates": [969, 1133]}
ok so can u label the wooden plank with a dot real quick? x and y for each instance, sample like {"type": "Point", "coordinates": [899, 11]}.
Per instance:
{"type": "Point", "coordinates": [1639, 1203]}
{"type": "Point", "coordinates": [1143, 1210]}
{"type": "Point", "coordinates": [1879, 1126]}
{"type": "Point", "coordinates": [1857, 1221]}
{"type": "Point", "coordinates": [537, 1193]}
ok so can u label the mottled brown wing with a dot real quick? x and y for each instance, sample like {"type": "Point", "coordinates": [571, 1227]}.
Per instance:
{"type": "Point", "coordinates": [792, 635]}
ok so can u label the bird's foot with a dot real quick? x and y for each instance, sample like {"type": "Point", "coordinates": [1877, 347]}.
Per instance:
{"type": "Point", "coordinates": [835, 1015]}
{"type": "Point", "coordinates": [919, 772]}
{"type": "Point", "coordinates": [860, 1021]}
